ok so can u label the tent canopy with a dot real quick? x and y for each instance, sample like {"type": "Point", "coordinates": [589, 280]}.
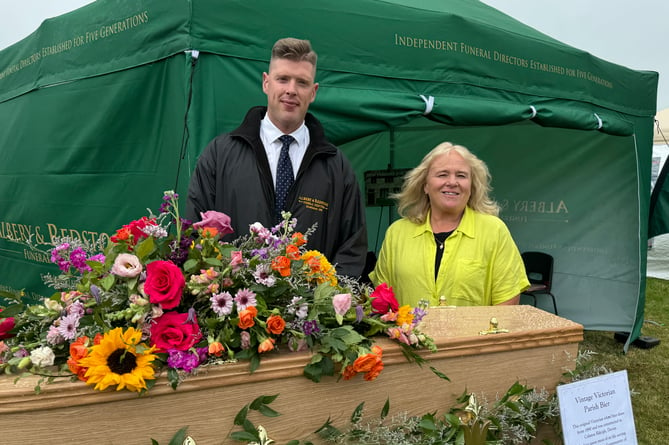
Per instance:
{"type": "Point", "coordinates": [109, 105]}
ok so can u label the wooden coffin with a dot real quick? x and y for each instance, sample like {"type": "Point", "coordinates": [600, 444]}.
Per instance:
{"type": "Point", "coordinates": [536, 351]}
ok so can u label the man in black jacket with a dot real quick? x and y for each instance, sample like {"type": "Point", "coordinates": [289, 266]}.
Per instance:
{"type": "Point", "coordinates": [237, 172]}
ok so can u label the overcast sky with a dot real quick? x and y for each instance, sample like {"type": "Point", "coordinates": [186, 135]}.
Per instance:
{"type": "Point", "coordinates": [631, 33]}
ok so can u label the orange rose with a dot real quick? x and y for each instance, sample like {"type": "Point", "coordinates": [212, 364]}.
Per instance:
{"type": "Point", "coordinates": [282, 265]}
{"type": "Point", "coordinates": [266, 345]}
{"type": "Point", "coordinates": [364, 363]}
{"type": "Point", "coordinates": [121, 235]}
{"type": "Point", "coordinates": [375, 371]}
{"type": "Point", "coordinates": [377, 351]}
{"type": "Point", "coordinates": [314, 263]}
{"type": "Point", "coordinates": [246, 317]}
{"type": "Point", "coordinates": [275, 324]}
{"type": "Point", "coordinates": [298, 239]}
{"type": "Point", "coordinates": [78, 350]}
{"type": "Point", "coordinates": [349, 373]}
{"type": "Point", "coordinates": [292, 252]}
{"type": "Point", "coordinates": [216, 348]}
{"type": "Point", "coordinates": [209, 232]}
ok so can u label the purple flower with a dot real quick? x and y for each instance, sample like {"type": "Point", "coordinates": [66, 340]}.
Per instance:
{"type": "Point", "coordinates": [100, 258]}
{"type": "Point", "coordinates": [359, 313]}
{"type": "Point", "coordinates": [245, 298]}
{"type": "Point", "coordinates": [78, 259]}
{"type": "Point", "coordinates": [310, 327]}
{"type": "Point", "coordinates": [186, 360]}
{"type": "Point", "coordinates": [221, 303]}
{"type": "Point", "coordinates": [58, 258]}
{"type": "Point", "coordinates": [418, 314]}
{"type": "Point", "coordinates": [68, 326]}
{"type": "Point", "coordinates": [192, 316]}
{"type": "Point", "coordinates": [263, 275]}
{"type": "Point", "coordinates": [95, 291]}
{"type": "Point", "coordinates": [53, 336]}
{"type": "Point", "coordinates": [76, 308]}
{"type": "Point", "coordinates": [179, 251]}
{"type": "Point", "coordinates": [169, 198]}
{"type": "Point", "coordinates": [202, 354]}
{"type": "Point", "coordinates": [262, 253]}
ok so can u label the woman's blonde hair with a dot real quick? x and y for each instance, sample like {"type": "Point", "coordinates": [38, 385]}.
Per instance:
{"type": "Point", "coordinates": [412, 201]}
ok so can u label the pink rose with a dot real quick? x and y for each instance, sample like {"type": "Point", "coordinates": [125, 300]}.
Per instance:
{"type": "Point", "coordinates": [236, 258]}
{"type": "Point", "coordinates": [219, 221]}
{"type": "Point", "coordinates": [341, 303]}
{"type": "Point", "coordinates": [246, 340]}
{"type": "Point", "coordinates": [6, 325]}
{"type": "Point", "coordinates": [383, 299]}
{"type": "Point", "coordinates": [164, 283]}
{"type": "Point", "coordinates": [173, 331]}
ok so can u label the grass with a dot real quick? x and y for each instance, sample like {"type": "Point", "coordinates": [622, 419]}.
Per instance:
{"type": "Point", "coordinates": [646, 368]}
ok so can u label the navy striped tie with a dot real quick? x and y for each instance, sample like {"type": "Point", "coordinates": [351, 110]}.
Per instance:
{"type": "Point", "coordinates": [284, 175]}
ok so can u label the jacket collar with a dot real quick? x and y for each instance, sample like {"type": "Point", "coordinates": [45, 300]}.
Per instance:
{"type": "Point", "coordinates": [249, 130]}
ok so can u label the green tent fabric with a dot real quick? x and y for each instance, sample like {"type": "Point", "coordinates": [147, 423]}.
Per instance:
{"type": "Point", "coordinates": [106, 107]}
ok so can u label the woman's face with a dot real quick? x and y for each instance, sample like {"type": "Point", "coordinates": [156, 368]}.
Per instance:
{"type": "Point", "coordinates": [448, 184]}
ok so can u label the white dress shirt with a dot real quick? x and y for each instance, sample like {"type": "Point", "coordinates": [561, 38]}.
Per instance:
{"type": "Point", "coordinates": [269, 135]}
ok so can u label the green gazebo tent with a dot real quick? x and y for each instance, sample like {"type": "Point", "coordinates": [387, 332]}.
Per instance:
{"type": "Point", "coordinates": [106, 107]}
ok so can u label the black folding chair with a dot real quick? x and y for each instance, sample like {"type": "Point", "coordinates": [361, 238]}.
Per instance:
{"type": "Point", "coordinates": [539, 269]}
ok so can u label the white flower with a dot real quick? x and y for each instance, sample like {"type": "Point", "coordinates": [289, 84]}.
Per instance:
{"type": "Point", "coordinates": [53, 305]}
{"type": "Point", "coordinates": [138, 300]}
{"type": "Point", "coordinates": [126, 265]}
{"type": "Point", "coordinates": [42, 356]}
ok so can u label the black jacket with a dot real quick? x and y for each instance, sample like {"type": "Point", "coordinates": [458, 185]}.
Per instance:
{"type": "Point", "coordinates": [233, 176]}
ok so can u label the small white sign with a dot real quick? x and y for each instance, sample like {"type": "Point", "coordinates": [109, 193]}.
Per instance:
{"type": "Point", "coordinates": [597, 411]}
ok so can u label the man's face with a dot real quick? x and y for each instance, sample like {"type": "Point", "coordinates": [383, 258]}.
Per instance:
{"type": "Point", "coordinates": [290, 88]}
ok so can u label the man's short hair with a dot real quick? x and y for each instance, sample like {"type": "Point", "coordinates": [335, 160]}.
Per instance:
{"type": "Point", "coordinates": [296, 50]}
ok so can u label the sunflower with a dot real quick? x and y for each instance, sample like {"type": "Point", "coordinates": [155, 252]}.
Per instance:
{"type": "Point", "coordinates": [119, 359]}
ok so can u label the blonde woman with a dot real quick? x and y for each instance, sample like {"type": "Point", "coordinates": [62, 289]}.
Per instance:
{"type": "Point", "coordinates": [450, 242]}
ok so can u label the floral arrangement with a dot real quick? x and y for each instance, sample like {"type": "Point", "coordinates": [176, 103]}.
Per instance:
{"type": "Point", "coordinates": [168, 295]}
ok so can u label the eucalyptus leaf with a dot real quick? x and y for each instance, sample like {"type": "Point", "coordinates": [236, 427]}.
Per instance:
{"type": "Point", "coordinates": [240, 418]}
{"type": "Point", "coordinates": [267, 411]}
{"type": "Point", "coordinates": [179, 437]}
{"type": "Point", "coordinates": [357, 413]}
{"type": "Point", "coordinates": [244, 436]}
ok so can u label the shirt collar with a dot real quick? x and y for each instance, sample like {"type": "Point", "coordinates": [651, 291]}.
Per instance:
{"type": "Point", "coordinates": [269, 132]}
{"type": "Point", "coordinates": [467, 225]}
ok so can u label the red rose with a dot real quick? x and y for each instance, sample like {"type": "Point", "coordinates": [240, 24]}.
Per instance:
{"type": "Point", "coordinates": [164, 284]}
{"type": "Point", "coordinates": [136, 227]}
{"type": "Point", "coordinates": [6, 325]}
{"type": "Point", "coordinates": [172, 330]}
{"type": "Point", "coordinates": [383, 299]}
